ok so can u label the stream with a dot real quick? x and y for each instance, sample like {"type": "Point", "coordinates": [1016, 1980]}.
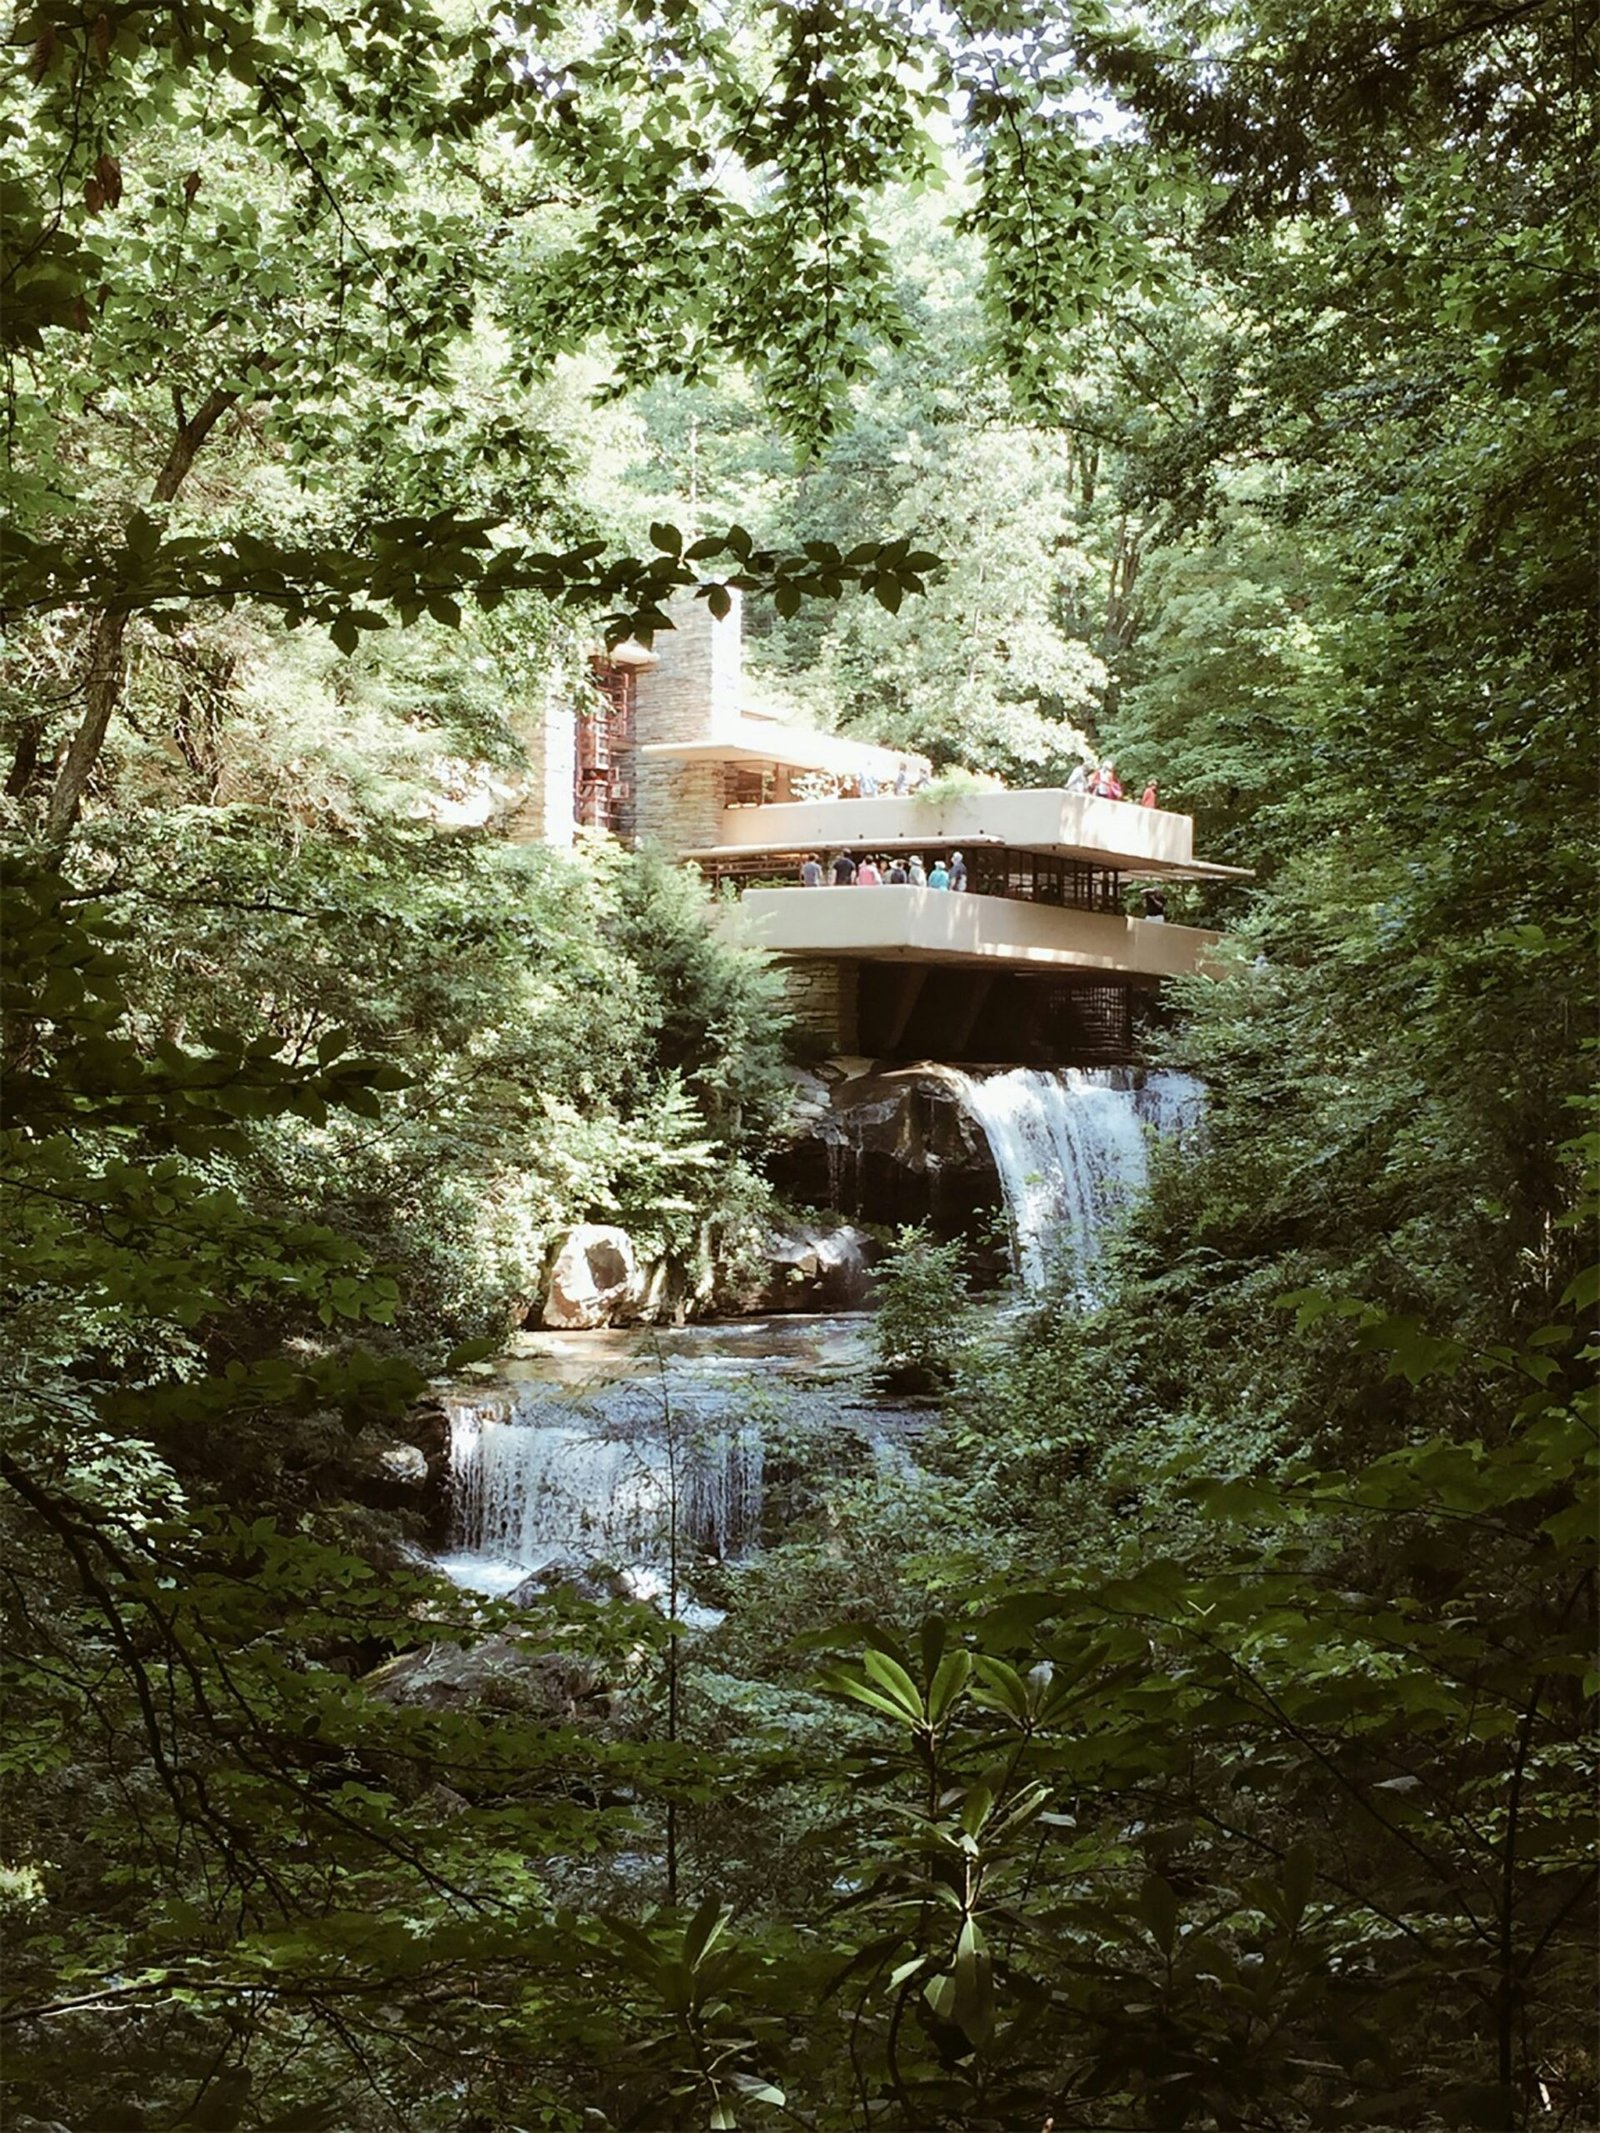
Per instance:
{"type": "Point", "coordinates": [632, 1446]}
{"type": "Point", "coordinates": [596, 1447]}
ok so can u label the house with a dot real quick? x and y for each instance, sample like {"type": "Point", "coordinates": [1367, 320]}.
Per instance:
{"type": "Point", "coordinates": [1036, 961]}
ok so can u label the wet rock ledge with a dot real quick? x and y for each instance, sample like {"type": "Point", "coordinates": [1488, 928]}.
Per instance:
{"type": "Point", "coordinates": [885, 1144]}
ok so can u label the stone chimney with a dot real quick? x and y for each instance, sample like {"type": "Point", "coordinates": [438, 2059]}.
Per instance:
{"type": "Point", "coordinates": [693, 693]}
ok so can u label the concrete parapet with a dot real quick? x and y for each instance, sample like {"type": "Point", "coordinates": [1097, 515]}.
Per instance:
{"type": "Point", "coordinates": [946, 926]}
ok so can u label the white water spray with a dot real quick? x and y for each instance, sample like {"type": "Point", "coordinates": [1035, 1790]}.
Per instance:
{"type": "Point", "coordinates": [531, 1484]}
{"type": "Point", "coordinates": [1071, 1147]}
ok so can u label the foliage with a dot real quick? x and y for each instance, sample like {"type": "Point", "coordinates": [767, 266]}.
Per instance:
{"type": "Point", "coordinates": [922, 1304]}
{"type": "Point", "coordinates": [374, 200]}
{"type": "Point", "coordinates": [1204, 1740]}
{"type": "Point", "coordinates": [1171, 1848]}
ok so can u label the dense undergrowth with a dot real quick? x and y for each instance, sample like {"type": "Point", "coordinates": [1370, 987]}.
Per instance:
{"type": "Point", "coordinates": [1195, 1734]}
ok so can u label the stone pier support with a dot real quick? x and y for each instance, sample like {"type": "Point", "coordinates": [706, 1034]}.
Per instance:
{"type": "Point", "coordinates": [824, 998]}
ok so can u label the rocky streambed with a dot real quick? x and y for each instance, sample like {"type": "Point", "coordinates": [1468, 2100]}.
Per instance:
{"type": "Point", "coordinates": [869, 1148]}
{"type": "Point", "coordinates": [630, 1447]}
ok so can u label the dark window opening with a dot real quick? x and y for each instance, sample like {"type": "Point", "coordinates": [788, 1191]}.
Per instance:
{"type": "Point", "coordinates": [1071, 883]}
{"type": "Point", "coordinates": [603, 774]}
{"type": "Point", "coordinates": [1007, 1018]}
{"type": "Point", "coordinates": [747, 785]}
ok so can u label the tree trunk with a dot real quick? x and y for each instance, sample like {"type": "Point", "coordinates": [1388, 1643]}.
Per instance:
{"type": "Point", "coordinates": [104, 665]}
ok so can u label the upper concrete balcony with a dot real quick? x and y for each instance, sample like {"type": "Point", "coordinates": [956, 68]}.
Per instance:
{"type": "Point", "coordinates": [1109, 833]}
{"type": "Point", "coordinates": [951, 926]}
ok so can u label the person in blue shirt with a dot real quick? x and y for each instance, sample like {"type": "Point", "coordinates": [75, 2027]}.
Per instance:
{"type": "Point", "coordinates": [811, 872]}
{"type": "Point", "coordinates": [939, 875]}
{"type": "Point", "coordinates": [958, 871]}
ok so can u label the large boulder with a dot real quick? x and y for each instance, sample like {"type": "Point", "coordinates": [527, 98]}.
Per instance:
{"type": "Point", "coordinates": [814, 1269]}
{"type": "Point", "coordinates": [572, 1580]}
{"type": "Point", "coordinates": [594, 1279]}
{"type": "Point", "coordinates": [507, 1672]}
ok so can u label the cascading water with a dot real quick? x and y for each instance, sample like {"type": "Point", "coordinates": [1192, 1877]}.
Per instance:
{"type": "Point", "coordinates": [1071, 1148]}
{"type": "Point", "coordinates": [531, 1484]}
{"type": "Point", "coordinates": [553, 1465]}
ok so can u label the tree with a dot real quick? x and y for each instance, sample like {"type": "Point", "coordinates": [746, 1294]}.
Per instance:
{"type": "Point", "coordinates": [1247, 1789]}
{"type": "Point", "coordinates": [369, 196]}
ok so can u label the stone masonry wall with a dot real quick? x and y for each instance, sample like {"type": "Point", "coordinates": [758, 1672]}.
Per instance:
{"type": "Point", "coordinates": [549, 736]}
{"type": "Point", "coordinates": [693, 695]}
{"type": "Point", "coordinates": [678, 806]}
{"type": "Point", "coordinates": [823, 997]}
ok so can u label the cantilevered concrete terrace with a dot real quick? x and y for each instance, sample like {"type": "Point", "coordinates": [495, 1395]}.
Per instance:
{"type": "Point", "coordinates": [1143, 842]}
{"type": "Point", "coordinates": [910, 925]}
{"type": "Point", "coordinates": [1034, 958]}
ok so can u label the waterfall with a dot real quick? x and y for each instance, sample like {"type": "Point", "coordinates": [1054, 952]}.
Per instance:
{"type": "Point", "coordinates": [1071, 1148]}
{"type": "Point", "coordinates": [534, 1482]}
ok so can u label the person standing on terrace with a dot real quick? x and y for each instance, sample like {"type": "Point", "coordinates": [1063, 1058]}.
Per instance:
{"type": "Point", "coordinates": [1148, 797]}
{"type": "Point", "coordinates": [867, 875]}
{"type": "Point", "coordinates": [811, 872]}
{"type": "Point", "coordinates": [939, 875]}
{"type": "Point", "coordinates": [958, 871]}
{"type": "Point", "coordinates": [867, 785]}
{"type": "Point", "coordinates": [1079, 779]}
{"type": "Point", "coordinates": [844, 870]}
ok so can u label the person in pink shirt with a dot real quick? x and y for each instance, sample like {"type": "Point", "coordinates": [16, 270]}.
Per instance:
{"type": "Point", "coordinates": [867, 875]}
{"type": "Point", "coordinates": [1148, 797]}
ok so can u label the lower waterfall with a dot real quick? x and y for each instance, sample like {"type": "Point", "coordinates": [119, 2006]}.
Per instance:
{"type": "Point", "coordinates": [1071, 1148]}
{"type": "Point", "coordinates": [533, 1482]}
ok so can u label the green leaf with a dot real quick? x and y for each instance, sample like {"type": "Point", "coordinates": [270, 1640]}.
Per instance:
{"type": "Point", "coordinates": [951, 1677]}
{"type": "Point", "coordinates": [1582, 1292]}
{"type": "Point", "coordinates": [1158, 1909]}
{"type": "Point", "coordinates": [836, 1682]}
{"type": "Point", "coordinates": [893, 1679]}
{"type": "Point", "coordinates": [476, 1351]}
{"type": "Point", "coordinates": [704, 1930]}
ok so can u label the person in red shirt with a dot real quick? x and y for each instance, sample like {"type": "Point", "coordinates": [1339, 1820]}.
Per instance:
{"type": "Point", "coordinates": [1148, 797]}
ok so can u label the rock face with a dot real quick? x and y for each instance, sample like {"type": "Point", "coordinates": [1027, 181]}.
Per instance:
{"type": "Point", "coordinates": [809, 1268]}
{"type": "Point", "coordinates": [504, 1672]}
{"type": "Point", "coordinates": [876, 1143]}
{"type": "Point", "coordinates": [595, 1278]}
{"type": "Point", "coordinates": [887, 1144]}
{"type": "Point", "coordinates": [427, 1434]}
{"type": "Point", "coordinates": [582, 1581]}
